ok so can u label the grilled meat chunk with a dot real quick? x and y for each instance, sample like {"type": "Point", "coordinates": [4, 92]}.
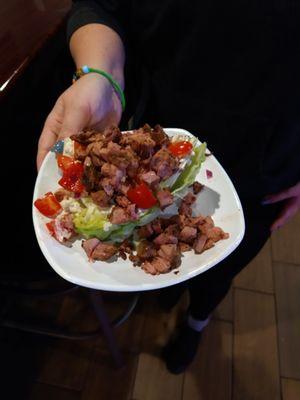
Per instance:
{"type": "Point", "coordinates": [164, 163]}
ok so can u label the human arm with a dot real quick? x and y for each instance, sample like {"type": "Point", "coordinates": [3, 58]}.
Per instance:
{"type": "Point", "coordinates": [91, 101]}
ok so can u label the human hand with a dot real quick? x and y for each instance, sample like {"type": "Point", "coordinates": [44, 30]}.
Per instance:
{"type": "Point", "coordinates": [291, 205]}
{"type": "Point", "coordinates": [89, 103]}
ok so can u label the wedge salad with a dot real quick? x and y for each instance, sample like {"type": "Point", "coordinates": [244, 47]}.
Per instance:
{"type": "Point", "coordinates": [130, 194]}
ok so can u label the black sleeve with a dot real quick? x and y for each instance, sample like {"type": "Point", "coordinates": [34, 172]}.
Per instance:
{"type": "Point", "coordinates": [107, 12]}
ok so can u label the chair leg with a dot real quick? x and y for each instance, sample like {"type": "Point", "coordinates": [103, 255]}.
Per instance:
{"type": "Point", "coordinates": [98, 305]}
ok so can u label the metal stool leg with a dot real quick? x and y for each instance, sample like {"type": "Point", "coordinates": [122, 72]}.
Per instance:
{"type": "Point", "coordinates": [97, 302]}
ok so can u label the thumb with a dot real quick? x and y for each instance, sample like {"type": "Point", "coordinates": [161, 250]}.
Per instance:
{"type": "Point", "coordinates": [75, 119]}
{"type": "Point", "coordinates": [50, 132]}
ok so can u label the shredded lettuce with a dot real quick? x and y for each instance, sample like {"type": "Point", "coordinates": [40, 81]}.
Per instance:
{"type": "Point", "coordinates": [91, 222]}
{"type": "Point", "coordinates": [188, 175]}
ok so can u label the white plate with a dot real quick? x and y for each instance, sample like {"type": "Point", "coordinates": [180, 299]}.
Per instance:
{"type": "Point", "coordinates": [218, 199]}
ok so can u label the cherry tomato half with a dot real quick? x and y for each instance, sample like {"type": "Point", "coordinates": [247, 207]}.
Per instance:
{"type": "Point", "coordinates": [64, 162]}
{"type": "Point", "coordinates": [180, 149]}
{"type": "Point", "coordinates": [71, 179]}
{"type": "Point", "coordinates": [142, 196]}
{"type": "Point", "coordinates": [48, 205]}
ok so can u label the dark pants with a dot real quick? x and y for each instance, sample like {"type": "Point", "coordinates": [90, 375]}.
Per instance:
{"type": "Point", "coordinates": [208, 289]}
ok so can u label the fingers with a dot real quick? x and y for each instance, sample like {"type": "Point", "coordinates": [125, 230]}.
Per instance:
{"type": "Point", "coordinates": [275, 198]}
{"type": "Point", "coordinates": [62, 122]}
{"type": "Point", "coordinates": [75, 119]}
{"type": "Point", "coordinates": [50, 132]}
{"type": "Point", "coordinates": [290, 208]}
{"type": "Point", "coordinates": [283, 195]}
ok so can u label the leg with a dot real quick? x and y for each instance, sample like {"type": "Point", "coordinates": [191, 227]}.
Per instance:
{"type": "Point", "coordinates": [208, 289]}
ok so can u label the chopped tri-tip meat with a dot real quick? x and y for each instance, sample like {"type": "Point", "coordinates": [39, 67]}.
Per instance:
{"type": "Point", "coordinates": [157, 266]}
{"type": "Point", "coordinates": [93, 151]}
{"type": "Point", "coordinates": [140, 141]}
{"type": "Point", "coordinates": [165, 198]}
{"type": "Point", "coordinates": [154, 227]}
{"type": "Point", "coordinates": [97, 250]}
{"type": "Point", "coordinates": [80, 151]}
{"type": "Point", "coordinates": [120, 215]}
{"type": "Point", "coordinates": [168, 252]}
{"type": "Point", "coordinates": [112, 134]}
{"type": "Point", "coordinates": [114, 174]}
{"type": "Point", "coordinates": [185, 206]}
{"type": "Point", "coordinates": [106, 185]}
{"type": "Point", "coordinates": [104, 251]}
{"type": "Point", "coordinates": [90, 176]}
{"type": "Point", "coordinates": [159, 136]}
{"type": "Point", "coordinates": [188, 234]}
{"type": "Point", "coordinates": [119, 156]}
{"type": "Point", "coordinates": [199, 243]}
{"type": "Point", "coordinates": [183, 247]}
{"type": "Point", "coordinates": [216, 234]}
{"type": "Point", "coordinates": [145, 231]}
{"type": "Point", "coordinates": [87, 136]}
{"type": "Point", "coordinates": [100, 198]}
{"type": "Point", "coordinates": [62, 194]}
{"type": "Point", "coordinates": [122, 201]}
{"type": "Point", "coordinates": [189, 198]}
{"type": "Point", "coordinates": [165, 238]}
{"type": "Point", "coordinates": [146, 250]}
{"type": "Point", "coordinates": [89, 246]}
{"type": "Point", "coordinates": [197, 187]}
{"type": "Point", "coordinates": [126, 247]}
{"type": "Point", "coordinates": [150, 178]}
{"type": "Point", "coordinates": [164, 163]}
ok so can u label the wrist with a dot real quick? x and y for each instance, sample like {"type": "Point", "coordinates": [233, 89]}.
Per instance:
{"type": "Point", "coordinates": [87, 70]}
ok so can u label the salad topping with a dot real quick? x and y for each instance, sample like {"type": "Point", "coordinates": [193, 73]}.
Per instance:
{"type": "Point", "coordinates": [130, 194]}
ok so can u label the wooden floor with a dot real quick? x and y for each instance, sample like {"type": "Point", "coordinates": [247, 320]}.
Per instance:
{"type": "Point", "coordinates": [250, 350]}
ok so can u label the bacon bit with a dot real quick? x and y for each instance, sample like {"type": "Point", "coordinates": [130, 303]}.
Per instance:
{"type": "Point", "coordinates": [209, 174]}
{"type": "Point", "coordinates": [176, 272]}
{"type": "Point", "coordinates": [208, 154]}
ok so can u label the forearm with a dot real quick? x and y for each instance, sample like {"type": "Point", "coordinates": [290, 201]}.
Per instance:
{"type": "Point", "coordinates": [98, 46]}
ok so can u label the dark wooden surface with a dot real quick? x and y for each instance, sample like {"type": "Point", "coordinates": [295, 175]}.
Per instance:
{"type": "Point", "coordinates": [25, 27]}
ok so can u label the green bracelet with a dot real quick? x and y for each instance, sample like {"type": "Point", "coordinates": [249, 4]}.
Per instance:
{"type": "Point", "coordinates": [86, 70]}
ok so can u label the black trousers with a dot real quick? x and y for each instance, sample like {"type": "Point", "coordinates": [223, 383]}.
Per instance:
{"type": "Point", "coordinates": [208, 289]}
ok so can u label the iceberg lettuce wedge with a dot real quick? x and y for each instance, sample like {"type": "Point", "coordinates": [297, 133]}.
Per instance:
{"type": "Point", "coordinates": [93, 222]}
{"type": "Point", "coordinates": [188, 175]}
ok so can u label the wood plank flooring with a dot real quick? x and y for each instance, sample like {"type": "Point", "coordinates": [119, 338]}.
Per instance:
{"type": "Point", "coordinates": [249, 351]}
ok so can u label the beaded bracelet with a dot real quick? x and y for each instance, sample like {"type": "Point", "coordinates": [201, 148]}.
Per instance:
{"type": "Point", "coordinates": [86, 70]}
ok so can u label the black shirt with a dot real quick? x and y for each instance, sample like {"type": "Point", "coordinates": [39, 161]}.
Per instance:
{"type": "Point", "coordinates": [226, 71]}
